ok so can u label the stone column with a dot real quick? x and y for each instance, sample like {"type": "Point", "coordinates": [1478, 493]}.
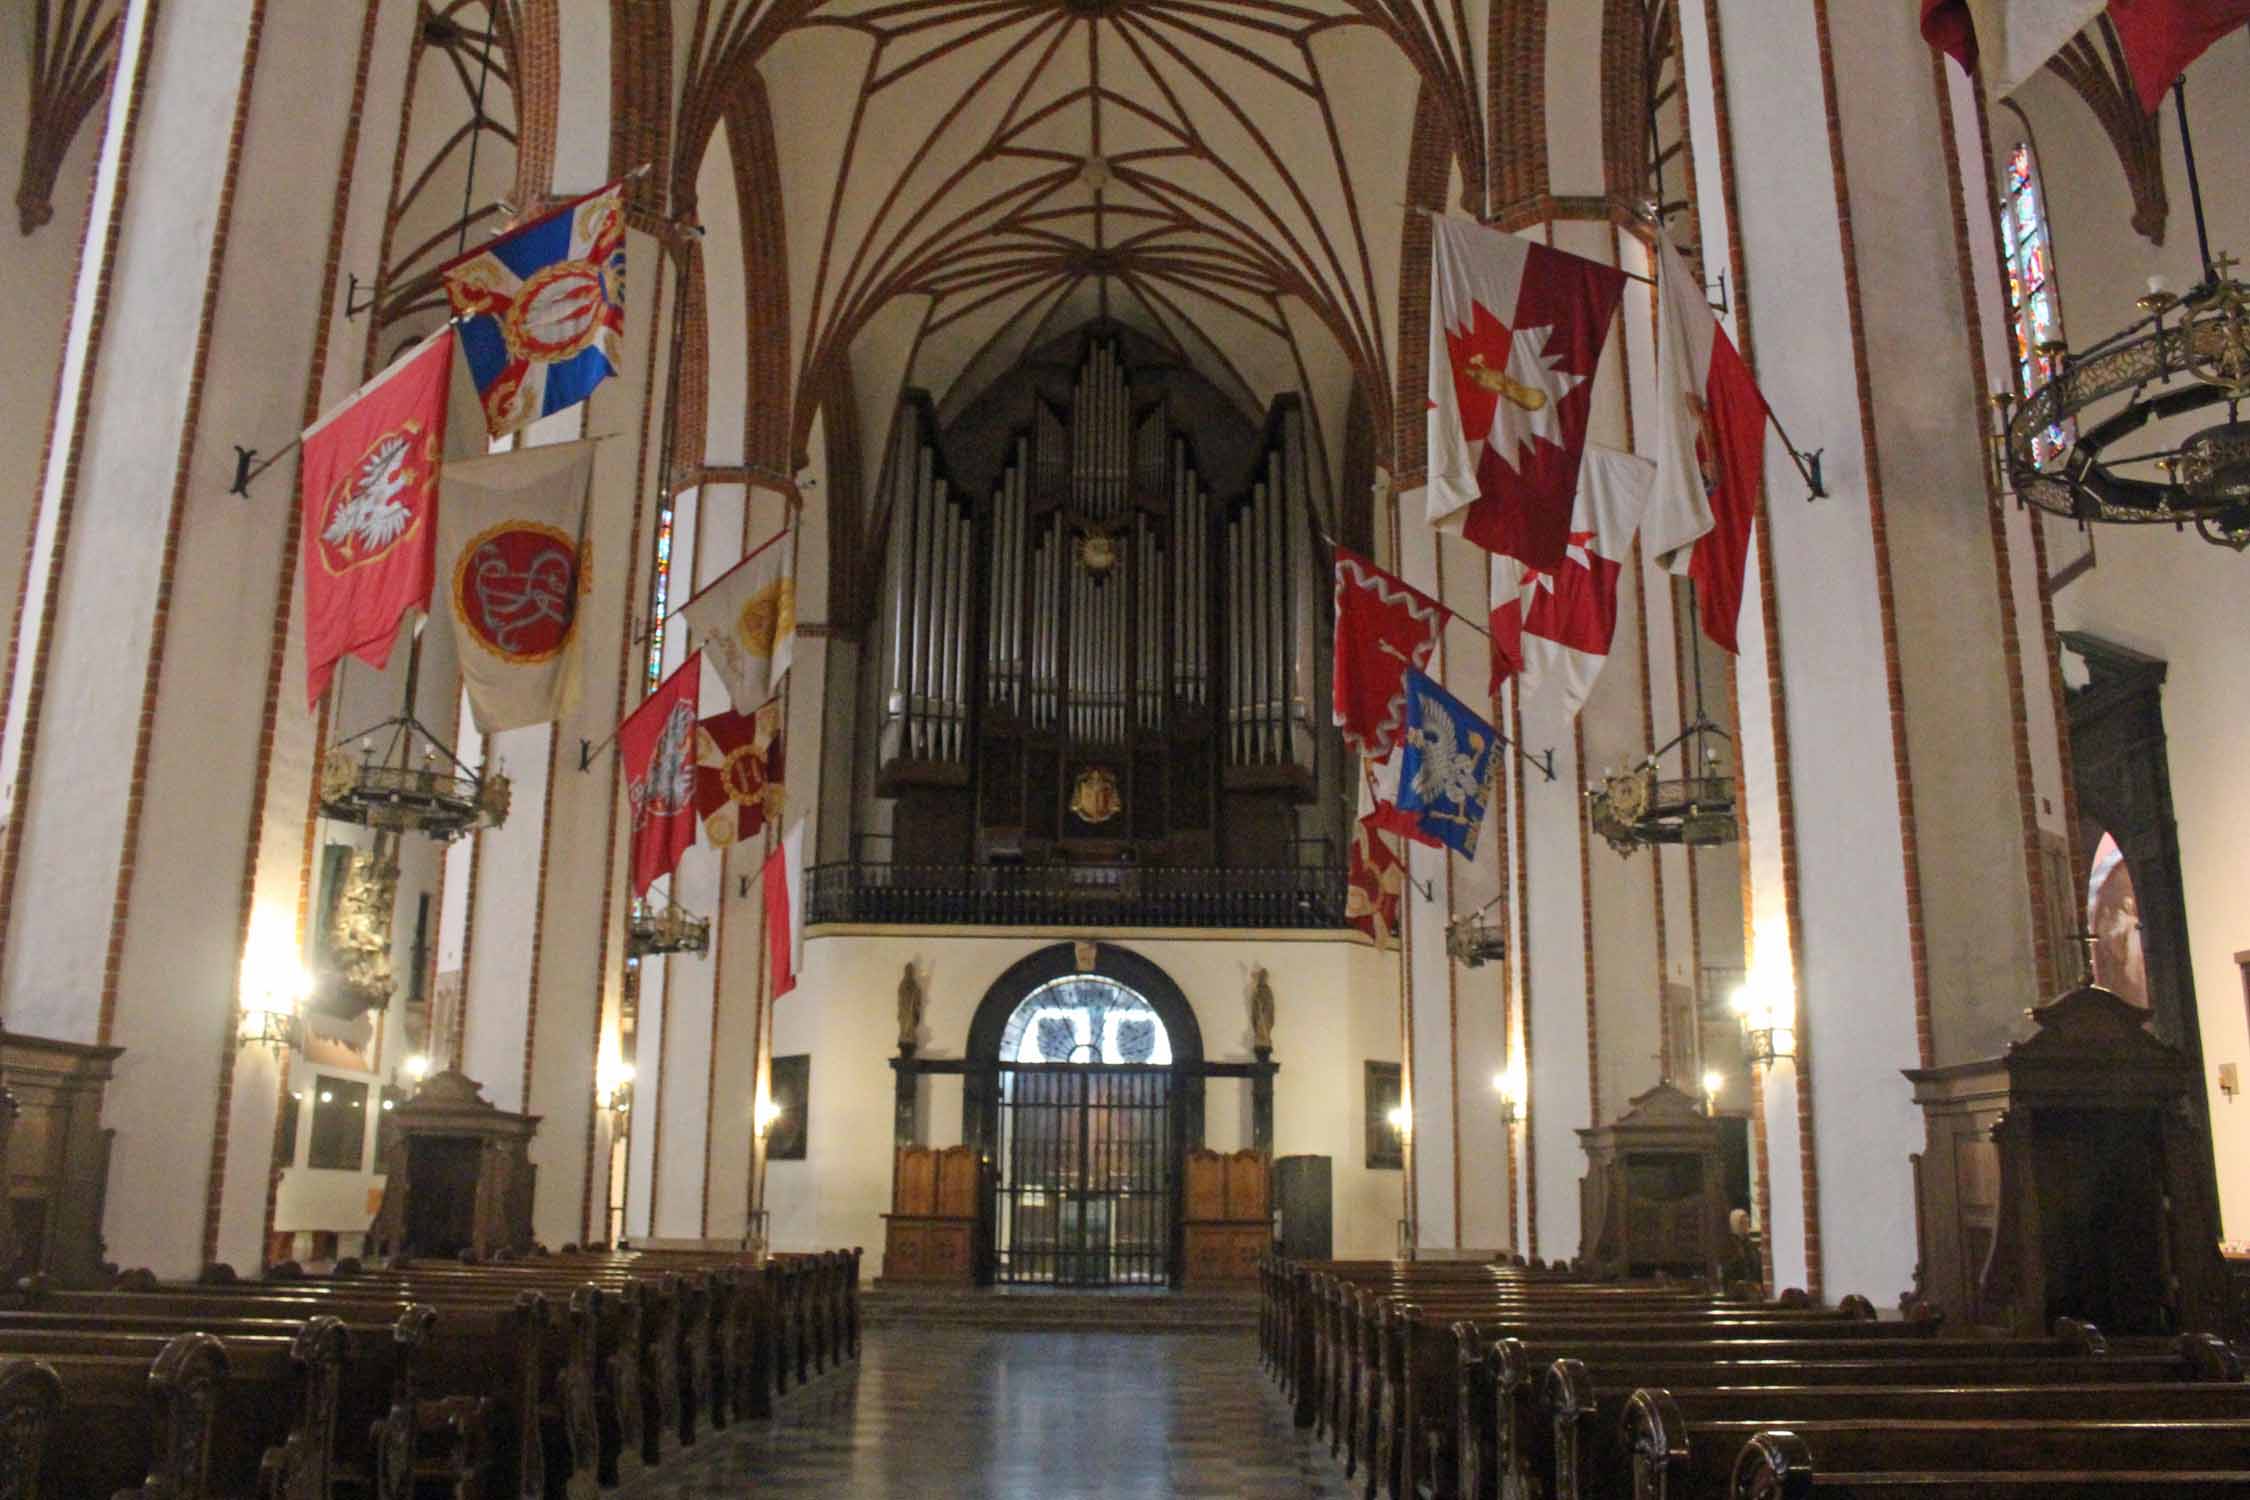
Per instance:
{"type": "Point", "coordinates": [1872, 688]}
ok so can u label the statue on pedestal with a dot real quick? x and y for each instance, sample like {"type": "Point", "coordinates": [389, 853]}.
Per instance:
{"type": "Point", "coordinates": [910, 1003]}
{"type": "Point", "coordinates": [1261, 1010]}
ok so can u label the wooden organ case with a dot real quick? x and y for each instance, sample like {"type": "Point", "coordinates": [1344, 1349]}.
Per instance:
{"type": "Point", "coordinates": [1102, 657]}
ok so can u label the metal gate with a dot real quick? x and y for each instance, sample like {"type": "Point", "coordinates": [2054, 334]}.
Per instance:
{"type": "Point", "coordinates": [1086, 1180]}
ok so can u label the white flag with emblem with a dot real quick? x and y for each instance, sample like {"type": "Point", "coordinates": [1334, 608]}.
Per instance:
{"type": "Point", "coordinates": [511, 563]}
{"type": "Point", "coordinates": [746, 622]}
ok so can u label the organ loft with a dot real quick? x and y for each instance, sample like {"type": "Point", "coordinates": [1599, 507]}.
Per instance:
{"type": "Point", "coordinates": [994, 747]}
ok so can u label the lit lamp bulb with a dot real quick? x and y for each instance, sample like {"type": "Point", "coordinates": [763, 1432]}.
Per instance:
{"type": "Point", "coordinates": [1401, 1118]}
{"type": "Point", "coordinates": [417, 1067]}
{"type": "Point", "coordinates": [1508, 1083]}
{"type": "Point", "coordinates": [767, 1113]}
{"type": "Point", "coordinates": [1713, 1082]}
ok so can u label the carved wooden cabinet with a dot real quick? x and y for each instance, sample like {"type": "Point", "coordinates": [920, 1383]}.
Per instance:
{"type": "Point", "coordinates": [1227, 1223]}
{"type": "Point", "coordinates": [930, 1235]}
{"type": "Point", "coordinates": [1652, 1198]}
{"type": "Point", "coordinates": [57, 1156]}
{"type": "Point", "coordinates": [2070, 1177]}
{"type": "Point", "coordinates": [458, 1174]}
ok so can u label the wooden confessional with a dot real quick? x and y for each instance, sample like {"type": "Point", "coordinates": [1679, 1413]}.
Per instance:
{"type": "Point", "coordinates": [1653, 1197]}
{"type": "Point", "coordinates": [2069, 1177]}
{"type": "Point", "coordinates": [457, 1174]}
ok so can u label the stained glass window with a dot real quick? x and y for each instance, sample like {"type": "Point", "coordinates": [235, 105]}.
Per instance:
{"type": "Point", "coordinates": [2034, 307]}
{"type": "Point", "coordinates": [660, 592]}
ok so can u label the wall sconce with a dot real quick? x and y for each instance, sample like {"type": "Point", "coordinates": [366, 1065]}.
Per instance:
{"type": "Point", "coordinates": [613, 1084]}
{"type": "Point", "coordinates": [1713, 1082]}
{"type": "Point", "coordinates": [1509, 1085]}
{"type": "Point", "coordinates": [1768, 1031]}
{"type": "Point", "coordinates": [2230, 1079]}
{"type": "Point", "coordinates": [1402, 1120]}
{"type": "Point", "coordinates": [274, 985]}
{"type": "Point", "coordinates": [416, 1067]}
{"type": "Point", "coordinates": [765, 1115]}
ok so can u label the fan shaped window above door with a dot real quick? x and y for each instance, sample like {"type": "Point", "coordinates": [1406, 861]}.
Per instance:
{"type": "Point", "coordinates": [1085, 1018]}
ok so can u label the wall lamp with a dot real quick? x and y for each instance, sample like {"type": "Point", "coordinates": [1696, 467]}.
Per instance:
{"type": "Point", "coordinates": [1509, 1085]}
{"type": "Point", "coordinates": [1768, 1029]}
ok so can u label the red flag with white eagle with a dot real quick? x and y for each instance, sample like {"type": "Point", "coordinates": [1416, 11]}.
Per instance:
{"type": "Point", "coordinates": [2013, 39]}
{"type": "Point", "coordinates": [1557, 623]}
{"type": "Point", "coordinates": [369, 477]}
{"type": "Point", "coordinates": [1383, 626]}
{"type": "Point", "coordinates": [1709, 447]}
{"type": "Point", "coordinates": [657, 741]}
{"type": "Point", "coordinates": [1516, 336]}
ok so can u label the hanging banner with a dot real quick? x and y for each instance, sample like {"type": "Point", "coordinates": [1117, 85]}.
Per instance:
{"type": "Point", "coordinates": [512, 557]}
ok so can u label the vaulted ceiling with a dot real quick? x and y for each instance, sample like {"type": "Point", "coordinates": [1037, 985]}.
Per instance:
{"type": "Point", "coordinates": [964, 179]}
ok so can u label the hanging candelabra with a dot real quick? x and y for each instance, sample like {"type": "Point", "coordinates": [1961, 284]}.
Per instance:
{"type": "Point", "coordinates": [386, 786]}
{"type": "Point", "coordinates": [670, 928]}
{"type": "Point", "coordinates": [1640, 807]}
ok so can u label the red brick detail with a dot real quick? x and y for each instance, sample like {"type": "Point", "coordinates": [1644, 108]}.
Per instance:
{"type": "Point", "coordinates": [2011, 648]}
{"type": "Point", "coordinates": [1776, 696]}
{"type": "Point", "coordinates": [640, 101]}
{"type": "Point", "coordinates": [1523, 996]}
{"type": "Point", "coordinates": [2093, 64]}
{"type": "Point", "coordinates": [1516, 74]}
{"type": "Point", "coordinates": [73, 59]}
{"type": "Point", "coordinates": [534, 33]}
{"type": "Point", "coordinates": [1428, 160]}
{"type": "Point", "coordinates": [1586, 930]}
{"type": "Point", "coordinates": [539, 919]}
{"type": "Point", "coordinates": [277, 639]}
{"type": "Point", "coordinates": [230, 1047]}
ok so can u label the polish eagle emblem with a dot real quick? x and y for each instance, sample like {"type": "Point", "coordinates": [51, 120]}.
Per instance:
{"type": "Point", "coordinates": [373, 506]}
{"type": "Point", "coordinates": [669, 786]}
{"type": "Point", "coordinates": [1446, 773]}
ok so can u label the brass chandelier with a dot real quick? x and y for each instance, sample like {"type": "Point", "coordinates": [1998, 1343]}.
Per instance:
{"type": "Point", "coordinates": [1639, 807]}
{"type": "Point", "coordinates": [671, 928]}
{"type": "Point", "coordinates": [384, 787]}
{"type": "Point", "coordinates": [1474, 938]}
{"type": "Point", "coordinates": [2187, 353]}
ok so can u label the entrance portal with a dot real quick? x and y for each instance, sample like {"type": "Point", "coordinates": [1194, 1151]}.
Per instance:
{"type": "Point", "coordinates": [1087, 1143]}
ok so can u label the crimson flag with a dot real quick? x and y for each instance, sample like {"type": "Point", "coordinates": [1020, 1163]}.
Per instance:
{"type": "Point", "coordinates": [657, 741]}
{"type": "Point", "coordinates": [1516, 334]}
{"type": "Point", "coordinates": [2161, 37]}
{"type": "Point", "coordinates": [1557, 622]}
{"type": "Point", "coordinates": [738, 772]}
{"type": "Point", "coordinates": [1710, 449]}
{"type": "Point", "coordinates": [1383, 626]}
{"type": "Point", "coordinates": [1371, 901]}
{"type": "Point", "coordinates": [2013, 39]}
{"type": "Point", "coordinates": [369, 478]}
{"type": "Point", "coordinates": [1382, 790]}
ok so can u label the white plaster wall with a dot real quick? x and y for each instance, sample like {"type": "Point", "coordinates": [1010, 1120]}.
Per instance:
{"type": "Point", "coordinates": [1336, 1007]}
{"type": "Point", "coordinates": [1555, 963]}
{"type": "Point", "coordinates": [1855, 985]}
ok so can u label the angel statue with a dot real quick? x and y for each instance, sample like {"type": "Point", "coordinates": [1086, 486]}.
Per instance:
{"type": "Point", "coordinates": [1261, 1009]}
{"type": "Point", "coordinates": [910, 1001]}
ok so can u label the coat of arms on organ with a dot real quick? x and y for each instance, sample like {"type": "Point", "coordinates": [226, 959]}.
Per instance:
{"type": "Point", "coordinates": [1093, 639]}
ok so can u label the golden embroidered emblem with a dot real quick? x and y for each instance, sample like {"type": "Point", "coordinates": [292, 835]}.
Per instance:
{"type": "Point", "coordinates": [1095, 798]}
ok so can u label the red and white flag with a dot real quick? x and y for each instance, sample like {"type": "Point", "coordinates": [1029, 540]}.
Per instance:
{"type": "Point", "coordinates": [1383, 626]}
{"type": "Point", "coordinates": [370, 471]}
{"type": "Point", "coordinates": [657, 741]}
{"type": "Point", "coordinates": [1516, 335]}
{"type": "Point", "coordinates": [738, 771]}
{"type": "Point", "coordinates": [1709, 447]}
{"type": "Point", "coordinates": [1382, 802]}
{"type": "Point", "coordinates": [2015, 38]}
{"type": "Point", "coordinates": [1556, 623]}
{"type": "Point", "coordinates": [783, 883]}
{"type": "Point", "coordinates": [1376, 883]}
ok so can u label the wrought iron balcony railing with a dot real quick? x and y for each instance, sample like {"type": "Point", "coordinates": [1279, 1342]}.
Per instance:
{"type": "Point", "coordinates": [1076, 895]}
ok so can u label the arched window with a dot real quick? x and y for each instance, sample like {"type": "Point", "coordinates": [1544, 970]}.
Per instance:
{"type": "Point", "coordinates": [2113, 916]}
{"type": "Point", "coordinates": [1085, 1018]}
{"type": "Point", "coordinates": [2034, 305]}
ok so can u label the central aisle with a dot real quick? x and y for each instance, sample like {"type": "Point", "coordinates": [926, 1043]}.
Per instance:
{"type": "Point", "coordinates": [938, 1411]}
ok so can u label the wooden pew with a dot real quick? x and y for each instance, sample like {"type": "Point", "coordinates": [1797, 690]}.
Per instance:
{"type": "Point", "coordinates": [481, 1369]}
{"type": "Point", "coordinates": [1676, 1457]}
{"type": "Point", "coordinates": [355, 1423]}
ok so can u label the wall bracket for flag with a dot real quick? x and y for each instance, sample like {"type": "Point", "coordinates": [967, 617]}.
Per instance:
{"type": "Point", "coordinates": [353, 307]}
{"type": "Point", "coordinates": [247, 467]}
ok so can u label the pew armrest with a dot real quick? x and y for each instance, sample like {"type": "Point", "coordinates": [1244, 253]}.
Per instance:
{"type": "Point", "coordinates": [2210, 1357]}
{"type": "Point", "coordinates": [30, 1395]}
{"type": "Point", "coordinates": [1569, 1395]}
{"type": "Point", "coordinates": [1656, 1437]}
{"type": "Point", "coordinates": [1773, 1466]}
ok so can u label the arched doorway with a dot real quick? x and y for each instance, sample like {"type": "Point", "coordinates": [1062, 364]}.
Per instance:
{"type": "Point", "coordinates": [1085, 1091]}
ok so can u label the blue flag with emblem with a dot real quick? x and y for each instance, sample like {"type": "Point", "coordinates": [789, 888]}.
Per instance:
{"type": "Point", "coordinates": [1451, 759]}
{"type": "Point", "coordinates": [541, 310]}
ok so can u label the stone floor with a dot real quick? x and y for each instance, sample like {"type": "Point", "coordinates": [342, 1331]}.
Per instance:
{"type": "Point", "coordinates": [1011, 1416]}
